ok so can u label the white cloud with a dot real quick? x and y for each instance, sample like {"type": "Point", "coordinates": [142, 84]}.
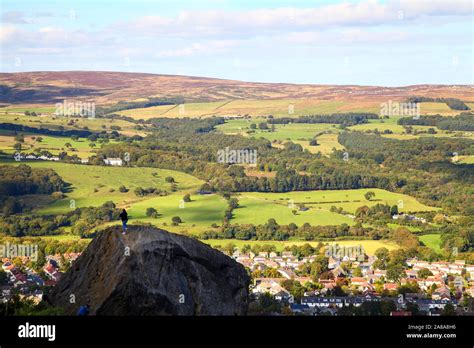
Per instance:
{"type": "Point", "coordinates": [368, 13]}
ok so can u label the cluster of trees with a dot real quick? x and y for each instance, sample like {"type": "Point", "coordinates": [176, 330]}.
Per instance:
{"type": "Point", "coordinates": [458, 237]}
{"type": "Point", "coordinates": [453, 103]}
{"type": "Point", "coordinates": [378, 212]}
{"type": "Point", "coordinates": [232, 203]}
{"type": "Point", "coordinates": [190, 146]}
{"type": "Point", "coordinates": [420, 167]}
{"type": "Point", "coordinates": [23, 180]}
{"type": "Point", "coordinates": [185, 124]}
{"type": "Point", "coordinates": [142, 192]}
{"type": "Point", "coordinates": [82, 220]}
{"type": "Point", "coordinates": [347, 119]}
{"type": "Point", "coordinates": [462, 122]}
{"type": "Point", "coordinates": [46, 131]}
{"type": "Point", "coordinates": [273, 231]}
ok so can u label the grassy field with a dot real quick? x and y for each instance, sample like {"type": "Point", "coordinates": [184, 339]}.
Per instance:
{"type": "Point", "coordinates": [259, 207]}
{"type": "Point", "coordinates": [370, 246]}
{"type": "Point", "coordinates": [466, 159]}
{"type": "Point", "coordinates": [431, 240]}
{"type": "Point", "coordinates": [400, 133]}
{"type": "Point", "coordinates": [95, 185]}
{"type": "Point", "coordinates": [300, 133]}
{"type": "Point", "coordinates": [197, 215]}
{"type": "Point", "coordinates": [77, 123]}
{"type": "Point", "coordinates": [255, 108]}
{"type": "Point", "coordinates": [38, 108]}
{"type": "Point", "coordinates": [85, 179]}
{"type": "Point", "coordinates": [437, 108]}
{"type": "Point", "coordinates": [53, 144]}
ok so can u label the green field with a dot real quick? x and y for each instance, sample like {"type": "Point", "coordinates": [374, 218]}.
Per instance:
{"type": "Point", "coordinates": [300, 133]}
{"type": "Point", "coordinates": [400, 133]}
{"type": "Point", "coordinates": [79, 123]}
{"type": "Point", "coordinates": [53, 144]}
{"type": "Point", "coordinates": [432, 241]}
{"type": "Point", "coordinates": [84, 179]}
{"type": "Point", "coordinates": [370, 246]}
{"type": "Point", "coordinates": [22, 108]}
{"type": "Point", "coordinates": [466, 159]}
{"type": "Point", "coordinates": [437, 108]}
{"type": "Point", "coordinates": [95, 185]}
{"type": "Point", "coordinates": [254, 108]}
{"type": "Point", "coordinates": [259, 207]}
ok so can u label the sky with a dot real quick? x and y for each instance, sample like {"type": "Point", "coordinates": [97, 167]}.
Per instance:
{"type": "Point", "coordinates": [369, 42]}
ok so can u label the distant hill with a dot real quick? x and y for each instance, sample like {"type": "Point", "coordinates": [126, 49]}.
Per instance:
{"type": "Point", "coordinates": [111, 87]}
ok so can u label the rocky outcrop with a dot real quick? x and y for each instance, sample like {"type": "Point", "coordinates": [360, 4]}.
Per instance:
{"type": "Point", "coordinates": [152, 272]}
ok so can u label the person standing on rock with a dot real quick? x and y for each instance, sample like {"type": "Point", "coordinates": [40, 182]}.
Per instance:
{"type": "Point", "coordinates": [124, 217]}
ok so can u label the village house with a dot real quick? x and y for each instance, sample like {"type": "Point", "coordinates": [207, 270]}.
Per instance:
{"type": "Point", "coordinates": [390, 286]}
{"type": "Point", "coordinates": [271, 286]}
{"type": "Point", "coordinates": [52, 271]}
{"type": "Point", "coordinates": [441, 293]}
{"type": "Point", "coordinates": [287, 273]}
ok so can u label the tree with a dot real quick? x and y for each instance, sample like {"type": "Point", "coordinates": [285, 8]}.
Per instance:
{"type": "Point", "coordinates": [151, 212]}
{"type": "Point", "coordinates": [394, 272]}
{"type": "Point", "coordinates": [169, 179]}
{"type": "Point", "coordinates": [424, 273]}
{"type": "Point", "coordinates": [405, 238]}
{"type": "Point", "coordinates": [176, 220]}
{"type": "Point", "coordinates": [233, 203]}
{"type": "Point", "coordinates": [386, 307]}
{"type": "Point", "coordinates": [123, 189]}
{"type": "Point", "coordinates": [229, 248]}
{"type": "Point", "coordinates": [357, 272]}
{"type": "Point", "coordinates": [382, 255]}
{"type": "Point", "coordinates": [369, 195]}
{"type": "Point", "coordinates": [448, 310]}
{"type": "Point", "coordinates": [3, 277]}
{"type": "Point", "coordinates": [394, 210]}
{"type": "Point", "coordinates": [313, 142]}
{"type": "Point", "coordinates": [319, 266]}
{"type": "Point", "coordinates": [439, 219]}
{"type": "Point", "coordinates": [187, 197]}
{"type": "Point", "coordinates": [253, 126]}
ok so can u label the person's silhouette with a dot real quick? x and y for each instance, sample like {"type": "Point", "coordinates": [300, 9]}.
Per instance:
{"type": "Point", "coordinates": [124, 217]}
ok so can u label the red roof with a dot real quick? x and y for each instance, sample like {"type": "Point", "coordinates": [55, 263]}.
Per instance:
{"type": "Point", "coordinates": [390, 286]}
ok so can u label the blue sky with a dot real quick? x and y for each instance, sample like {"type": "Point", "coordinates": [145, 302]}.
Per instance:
{"type": "Point", "coordinates": [387, 43]}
